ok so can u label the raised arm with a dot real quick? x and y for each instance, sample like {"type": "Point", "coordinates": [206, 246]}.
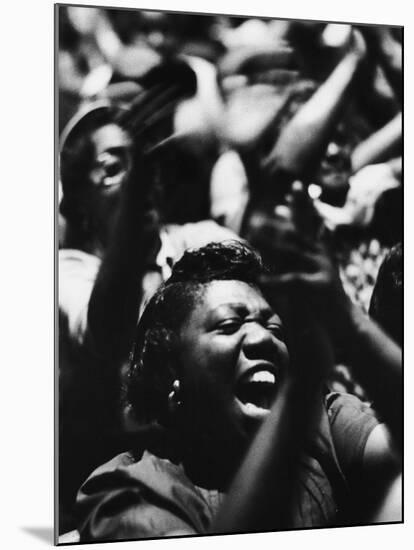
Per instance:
{"type": "Point", "coordinates": [116, 296]}
{"type": "Point", "coordinates": [134, 243]}
{"type": "Point", "coordinates": [269, 472]}
{"type": "Point", "coordinates": [375, 358]}
{"type": "Point", "coordinates": [389, 54]}
{"type": "Point", "coordinates": [269, 468]}
{"type": "Point", "coordinates": [376, 361]}
{"type": "Point", "coordinates": [302, 142]}
{"type": "Point", "coordinates": [379, 145]}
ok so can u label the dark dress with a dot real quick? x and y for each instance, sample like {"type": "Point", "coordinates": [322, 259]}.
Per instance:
{"type": "Point", "coordinates": [149, 496]}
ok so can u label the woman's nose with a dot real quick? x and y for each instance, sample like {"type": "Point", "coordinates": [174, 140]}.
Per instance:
{"type": "Point", "coordinates": [259, 342]}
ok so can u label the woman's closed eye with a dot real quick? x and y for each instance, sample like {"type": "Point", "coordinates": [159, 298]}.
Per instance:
{"type": "Point", "coordinates": [275, 328]}
{"type": "Point", "coordinates": [232, 325]}
{"type": "Point", "coordinates": [229, 326]}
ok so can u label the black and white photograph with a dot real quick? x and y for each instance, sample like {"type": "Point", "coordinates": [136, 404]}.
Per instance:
{"type": "Point", "coordinates": [229, 255]}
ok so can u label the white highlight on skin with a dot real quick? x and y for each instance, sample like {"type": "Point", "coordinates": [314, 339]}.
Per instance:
{"type": "Point", "coordinates": [314, 191]}
{"type": "Point", "coordinates": [253, 411]}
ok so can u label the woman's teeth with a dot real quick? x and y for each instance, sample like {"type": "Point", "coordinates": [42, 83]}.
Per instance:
{"type": "Point", "coordinates": [262, 376]}
{"type": "Point", "coordinates": [257, 392]}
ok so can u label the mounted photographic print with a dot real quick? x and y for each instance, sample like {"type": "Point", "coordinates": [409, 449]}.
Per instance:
{"type": "Point", "coordinates": [229, 273]}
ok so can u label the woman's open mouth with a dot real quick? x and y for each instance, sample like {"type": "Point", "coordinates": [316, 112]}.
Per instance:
{"type": "Point", "coordinates": [256, 391]}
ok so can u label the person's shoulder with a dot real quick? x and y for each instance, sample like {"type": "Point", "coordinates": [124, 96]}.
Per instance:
{"type": "Point", "coordinates": [121, 461]}
{"type": "Point", "coordinates": [143, 467]}
{"type": "Point", "coordinates": [150, 478]}
{"type": "Point", "coordinates": [349, 417]}
{"type": "Point", "coordinates": [138, 495]}
{"type": "Point", "coordinates": [351, 423]}
{"type": "Point", "coordinates": [345, 403]}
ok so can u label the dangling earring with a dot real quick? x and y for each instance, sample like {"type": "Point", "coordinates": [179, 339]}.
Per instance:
{"type": "Point", "coordinates": [174, 400]}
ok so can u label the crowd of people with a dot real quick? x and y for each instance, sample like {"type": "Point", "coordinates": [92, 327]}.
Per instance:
{"type": "Point", "coordinates": [230, 274]}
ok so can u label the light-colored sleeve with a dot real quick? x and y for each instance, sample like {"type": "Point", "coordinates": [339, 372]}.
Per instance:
{"type": "Point", "coordinates": [196, 235]}
{"type": "Point", "coordinates": [77, 274]}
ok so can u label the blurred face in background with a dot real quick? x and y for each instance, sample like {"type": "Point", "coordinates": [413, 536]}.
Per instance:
{"type": "Point", "coordinates": [110, 167]}
{"type": "Point", "coordinates": [335, 168]}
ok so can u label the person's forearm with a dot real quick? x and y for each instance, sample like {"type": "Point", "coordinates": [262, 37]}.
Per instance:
{"type": "Point", "coordinates": [390, 56]}
{"type": "Point", "coordinates": [114, 303]}
{"type": "Point", "coordinates": [376, 147]}
{"type": "Point", "coordinates": [377, 365]}
{"type": "Point", "coordinates": [304, 139]}
{"type": "Point", "coordinates": [385, 50]}
{"type": "Point", "coordinates": [265, 473]}
{"type": "Point", "coordinates": [260, 497]}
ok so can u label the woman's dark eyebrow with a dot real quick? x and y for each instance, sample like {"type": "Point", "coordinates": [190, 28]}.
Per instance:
{"type": "Point", "coordinates": [241, 309]}
{"type": "Point", "coordinates": [237, 307]}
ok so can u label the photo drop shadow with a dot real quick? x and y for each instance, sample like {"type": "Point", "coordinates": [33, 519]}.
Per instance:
{"type": "Point", "coordinates": [43, 533]}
